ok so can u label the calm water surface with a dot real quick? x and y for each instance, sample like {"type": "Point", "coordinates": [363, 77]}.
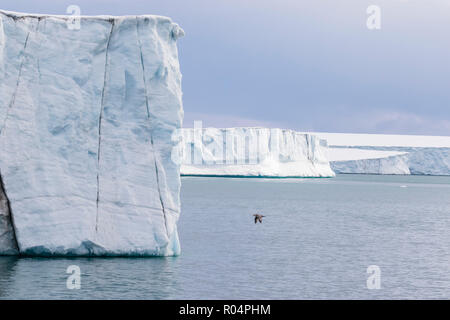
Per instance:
{"type": "Point", "coordinates": [317, 240]}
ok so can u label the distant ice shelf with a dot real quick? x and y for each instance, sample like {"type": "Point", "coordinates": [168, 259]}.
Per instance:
{"type": "Point", "coordinates": [388, 154]}
{"type": "Point", "coordinates": [86, 120]}
{"type": "Point", "coordinates": [252, 152]}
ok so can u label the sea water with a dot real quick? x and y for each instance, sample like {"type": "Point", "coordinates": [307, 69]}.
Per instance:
{"type": "Point", "coordinates": [317, 241]}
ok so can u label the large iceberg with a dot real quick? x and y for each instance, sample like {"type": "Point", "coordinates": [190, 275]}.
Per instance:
{"type": "Point", "coordinates": [388, 154]}
{"type": "Point", "coordinates": [252, 152]}
{"type": "Point", "coordinates": [86, 122]}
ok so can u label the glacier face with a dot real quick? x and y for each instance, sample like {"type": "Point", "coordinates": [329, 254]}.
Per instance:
{"type": "Point", "coordinates": [86, 120]}
{"type": "Point", "coordinates": [410, 160]}
{"type": "Point", "coordinates": [252, 152]}
{"type": "Point", "coordinates": [388, 154]}
{"type": "Point", "coordinates": [387, 165]}
{"type": "Point", "coordinates": [8, 241]}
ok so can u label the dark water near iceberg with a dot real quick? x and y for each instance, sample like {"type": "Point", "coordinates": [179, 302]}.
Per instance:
{"type": "Point", "coordinates": [317, 240]}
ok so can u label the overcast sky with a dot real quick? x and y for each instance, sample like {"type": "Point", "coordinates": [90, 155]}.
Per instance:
{"type": "Point", "coordinates": [305, 65]}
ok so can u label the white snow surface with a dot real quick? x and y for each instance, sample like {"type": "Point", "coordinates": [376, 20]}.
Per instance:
{"type": "Point", "coordinates": [388, 154]}
{"type": "Point", "coordinates": [347, 154]}
{"type": "Point", "coordinates": [252, 152]}
{"type": "Point", "coordinates": [86, 120]}
{"type": "Point", "coordinates": [384, 140]}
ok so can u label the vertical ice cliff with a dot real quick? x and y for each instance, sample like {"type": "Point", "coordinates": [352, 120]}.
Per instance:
{"type": "Point", "coordinates": [8, 241]}
{"type": "Point", "coordinates": [388, 154]}
{"type": "Point", "coordinates": [414, 161]}
{"type": "Point", "coordinates": [387, 165]}
{"type": "Point", "coordinates": [258, 152]}
{"type": "Point", "coordinates": [86, 119]}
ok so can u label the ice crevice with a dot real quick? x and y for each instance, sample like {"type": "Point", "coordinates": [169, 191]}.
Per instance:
{"type": "Point", "coordinates": [100, 118]}
{"type": "Point", "coordinates": [13, 98]}
{"type": "Point", "coordinates": [151, 135]}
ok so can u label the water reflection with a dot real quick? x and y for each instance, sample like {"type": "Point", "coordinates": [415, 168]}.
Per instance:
{"type": "Point", "coordinates": [7, 271]}
{"type": "Point", "coordinates": [101, 278]}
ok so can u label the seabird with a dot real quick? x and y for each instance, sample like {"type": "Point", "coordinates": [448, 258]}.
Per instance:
{"type": "Point", "coordinates": [258, 217]}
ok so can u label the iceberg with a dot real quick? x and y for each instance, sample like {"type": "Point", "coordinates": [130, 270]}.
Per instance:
{"type": "Point", "coordinates": [86, 122]}
{"type": "Point", "coordinates": [251, 152]}
{"type": "Point", "coordinates": [388, 154]}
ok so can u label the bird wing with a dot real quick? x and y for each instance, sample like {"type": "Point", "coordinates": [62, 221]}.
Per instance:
{"type": "Point", "coordinates": [256, 218]}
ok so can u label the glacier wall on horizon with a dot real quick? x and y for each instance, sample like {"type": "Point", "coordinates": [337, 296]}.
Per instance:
{"type": "Point", "coordinates": [388, 154]}
{"type": "Point", "coordinates": [413, 161]}
{"type": "Point", "coordinates": [252, 152]}
{"type": "Point", "coordinates": [86, 120]}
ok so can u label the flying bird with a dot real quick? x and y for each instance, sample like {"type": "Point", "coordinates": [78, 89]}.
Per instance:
{"type": "Point", "coordinates": [258, 217]}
